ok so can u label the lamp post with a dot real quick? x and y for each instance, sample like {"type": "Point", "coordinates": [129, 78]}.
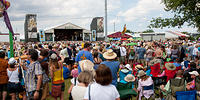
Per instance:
{"type": "Point", "coordinates": [106, 31]}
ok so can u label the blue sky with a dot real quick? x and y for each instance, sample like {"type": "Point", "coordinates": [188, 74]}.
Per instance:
{"type": "Point", "coordinates": [135, 13]}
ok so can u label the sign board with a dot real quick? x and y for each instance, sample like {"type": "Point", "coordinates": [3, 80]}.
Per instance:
{"type": "Point", "coordinates": [94, 34]}
{"type": "Point", "coordinates": [41, 35]}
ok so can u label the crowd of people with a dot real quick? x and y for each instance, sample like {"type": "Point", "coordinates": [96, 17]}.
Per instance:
{"type": "Point", "coordinates": [143, 70]}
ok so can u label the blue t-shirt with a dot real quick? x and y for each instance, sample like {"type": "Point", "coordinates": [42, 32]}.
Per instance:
{"type": "Point", "coordinates": [66, 72]}
{"type": "Point", "coordinates": [83, 55]}
{"type": "Point", "coordinates": [141, 52]}
{"type": "Point", "coordinates": [114, 67]}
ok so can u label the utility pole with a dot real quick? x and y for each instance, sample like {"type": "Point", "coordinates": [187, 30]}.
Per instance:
{"type": "Point", "coordinates": [114, 26]}
{"type": "Point", "coordinates": [106, 31]}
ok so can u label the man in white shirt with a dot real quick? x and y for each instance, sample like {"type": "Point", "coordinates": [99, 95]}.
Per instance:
{"type": "Point", "coordinates": [122, 53]}
{"type": "Point", "coordinates": [195, 51]}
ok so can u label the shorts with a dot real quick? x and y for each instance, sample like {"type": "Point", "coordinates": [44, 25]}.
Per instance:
{"type": "Point", "coordinates": [62, 86]}
{"type": "Point", "coordinates": [14, 87]}
{"type": "Point", "coordinates": [3, 87]}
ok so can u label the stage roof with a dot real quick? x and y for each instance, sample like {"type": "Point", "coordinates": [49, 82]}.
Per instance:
{"type": "Point", "coordinates": [67, 26]}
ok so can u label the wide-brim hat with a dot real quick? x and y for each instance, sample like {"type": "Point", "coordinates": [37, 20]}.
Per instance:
{"type": "Point", "coordinates": [131, 47]}
{"type": "Point", "coordinates": [141, 73]}
{"type": "Point", "coordinates": [124, 70]}
{"type": "Point", "coordinates": [129, 78]}
{"type": "Point", "coordinates": [170, 66]}
{"type": "Point", "coordinates": [109, 54]}
{"type": "Point", "coordinates": [128, 66]}
{"type": "Point", "coordinates": [87, 65]}
{"type": "Point", "coordinates": [139, 67]}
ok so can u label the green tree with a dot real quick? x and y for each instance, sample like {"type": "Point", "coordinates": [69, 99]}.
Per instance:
{"type": "Point", "coordinates": [185, 11]}
{"type": "Point", "coordinates": [129, 31]}
{"type": "Point", "coordinates": [148, 31]}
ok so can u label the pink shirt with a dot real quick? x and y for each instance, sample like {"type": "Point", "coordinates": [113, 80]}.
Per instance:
{"type": "Point", "coordinates": [75, 72]}
{"type": "Point", "coordinates": [146, 93]}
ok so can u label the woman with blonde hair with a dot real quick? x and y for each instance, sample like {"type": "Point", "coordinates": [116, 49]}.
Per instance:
{"type": "Point", "coordinates": [84, 79]}
{"type": "Point", "coordinates": [56, 72]}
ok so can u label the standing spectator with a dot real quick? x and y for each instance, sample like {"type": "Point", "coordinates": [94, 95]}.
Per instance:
{"type": "Point", "coordinates": [84, 54]}
{"type": "Point", "coordinates": [14, 85]}
{"type": "Point", "coordinates": [97, 59]}
{"type": "Point", "coordinates": [122, 53]}
{"type": "Point", "coordinates": [141, 52]}
{"type": "Point", "coordinates": [33, 78]}
{"type": "Point", "coordinates": [3, 76]}
{"type": "Point", "coordinates": [195, 52]}
{"type": "Point", "coordinates": [102, 88]}
{"type": "Point", "coordinates": [113, 65]}
{"type": "Point", "coordinates": [190, 50]}
{"type": "Point", "coordinates": [56, 72]}
{"type": "Point", "coordinates": [174, 53]}
{"type": "Point", "coordinates": [43, 59]}
{"type": "Point", "coordinates": [84, 79]}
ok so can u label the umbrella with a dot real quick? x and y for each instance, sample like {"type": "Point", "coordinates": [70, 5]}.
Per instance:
{"type": "Point", "coordinates": [139, 39]}
{"type": "Point", "coordinates": [124, 39]}
{"type": "Point", "coordinates": [130, 39]}
{"type": "Point", "coordinates": [132, 44]}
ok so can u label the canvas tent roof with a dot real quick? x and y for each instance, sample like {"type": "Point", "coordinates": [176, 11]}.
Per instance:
{"type": "Point", "coordinates": [136, 35]}
{"type": "Point", "coordinates": [174, 34]}
{"type": "Point", "coordinates": [119, 35]}
{"type": "Point", "coordinates": [67, 26]}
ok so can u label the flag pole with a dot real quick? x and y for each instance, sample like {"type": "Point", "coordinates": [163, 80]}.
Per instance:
{"type": "Point", "coordinates": [11, 44]}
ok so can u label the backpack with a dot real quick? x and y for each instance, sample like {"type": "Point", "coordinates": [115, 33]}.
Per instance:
{"type": "Point", "coordinates": [177, 85]}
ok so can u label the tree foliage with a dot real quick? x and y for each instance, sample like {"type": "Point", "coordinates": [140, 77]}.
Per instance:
{"type": "Point", "coordinates": [148, 31]}
{"type": "Point", "coordinates": [185, 11]}
{"type": "Point", "coordinates": [129, 31]}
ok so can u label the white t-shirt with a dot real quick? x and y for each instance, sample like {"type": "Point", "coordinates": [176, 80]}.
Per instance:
{"type": "Point", "coordinates": [195, 51]}
{"type": "Point", "coordinates": [122, 51]}
{"type": "Point", "coordinates": [78, 92]}
{"type": "Point", "coordinates": [99, 92]}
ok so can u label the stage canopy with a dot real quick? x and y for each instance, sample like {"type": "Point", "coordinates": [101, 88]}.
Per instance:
{"type": "Point", "coordinates": [119, 35]}
{"type": "Point", "coordinates": [66, 31]}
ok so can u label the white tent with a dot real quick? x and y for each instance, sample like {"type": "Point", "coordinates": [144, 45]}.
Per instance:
{"type": "Point", "coordinates": [174, 34]}
{"type": "Point", "coordinates": [134, 35]}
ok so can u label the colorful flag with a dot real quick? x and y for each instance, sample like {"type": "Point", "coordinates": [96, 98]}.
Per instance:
{"type": "Point", "coordinates": [124, 31]}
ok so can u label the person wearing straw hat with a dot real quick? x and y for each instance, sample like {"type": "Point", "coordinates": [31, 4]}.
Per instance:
{"type": "Point", "coordinates": [130, 79]}
{"type": "Point", "coordinates": [124, 72]}
{"type": "Point", "coordinates": [110, 56]}
{"type": "Point", "coordinates": [145, 86]}
{"type": "Point", "coordinates": [169, 71]}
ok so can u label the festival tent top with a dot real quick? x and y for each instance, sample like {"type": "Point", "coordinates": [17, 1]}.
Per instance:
{"type": "Point", "coordinates": [119, 35]}
{"type": "Point", "coordinates": [174, 34]}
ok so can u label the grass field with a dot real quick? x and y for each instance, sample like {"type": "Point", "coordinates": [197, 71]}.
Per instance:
{"type": "Point", "coordinates": [66, 95]}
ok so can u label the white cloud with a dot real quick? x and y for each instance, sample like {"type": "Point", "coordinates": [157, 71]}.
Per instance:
{"type": "Point", "coordinates": [52, 13]}
{"type": "Point", "coordinates": [141, 9]}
